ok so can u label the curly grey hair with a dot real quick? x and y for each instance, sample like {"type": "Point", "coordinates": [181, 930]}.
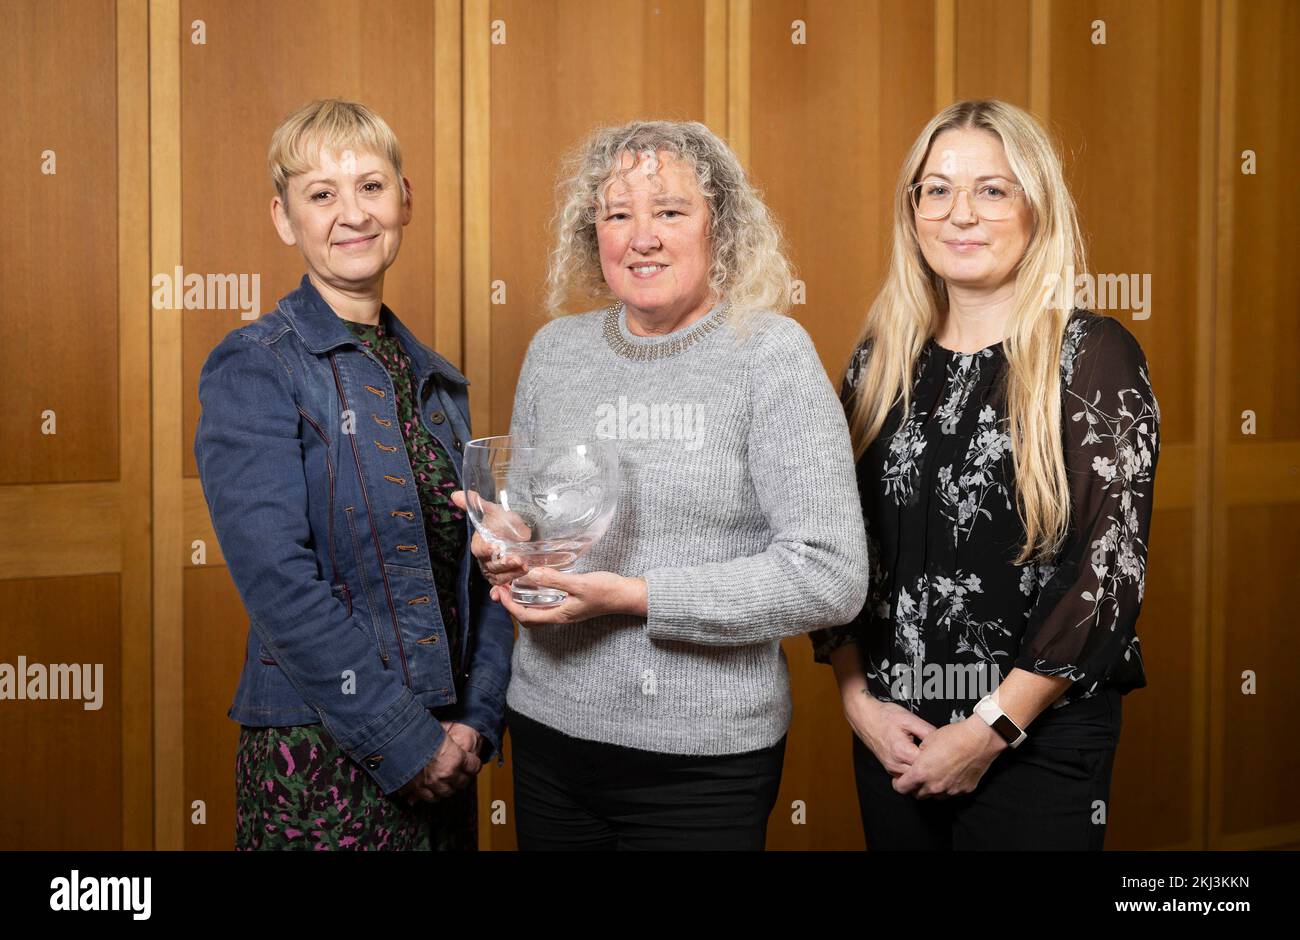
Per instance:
{"type": "Point", "coordinates": [748, 266]}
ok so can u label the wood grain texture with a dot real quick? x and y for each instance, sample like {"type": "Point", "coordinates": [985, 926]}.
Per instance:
{"type": "Point", "coordinates": [216, 627]}
{"type": "Point", "coordinates": [1256, 753]}
{"type": "Point", "coordinates": [1265, 278]}
{"type": "Point", "coordinates": [61, 779]}
{"type": "Point", "coordinates": [58, 253]}
{"type": "Point", "coordinates": [1256, 495]}
{"type": "Point", "coordinates": [993, 50]}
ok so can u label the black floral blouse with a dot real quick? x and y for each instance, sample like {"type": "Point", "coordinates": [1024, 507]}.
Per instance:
{"type": "Point", "coordinates": [949, 613]}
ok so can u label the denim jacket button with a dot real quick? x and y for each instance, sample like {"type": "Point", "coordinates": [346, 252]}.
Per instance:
{"type": "Point", "coordinates": [372, 762]}
{"type": "Point", "coordinates": [437, 417]}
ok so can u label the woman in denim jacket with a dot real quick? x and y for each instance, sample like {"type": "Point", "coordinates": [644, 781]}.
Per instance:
{"type": "Point", "coordinates": [374, 679]}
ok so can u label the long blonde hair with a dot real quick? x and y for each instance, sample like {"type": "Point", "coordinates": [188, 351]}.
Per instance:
{"type": "Point", "coordinates": [906, 314]}
{"type": "Point", "coordinates": [748, 263]}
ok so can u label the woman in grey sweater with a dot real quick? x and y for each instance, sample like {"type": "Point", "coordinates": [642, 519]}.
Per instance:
{"type": "Point", "coordinates": [649, 709]}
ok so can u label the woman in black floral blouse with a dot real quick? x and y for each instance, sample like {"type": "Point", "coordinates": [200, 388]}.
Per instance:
{"type": "Point", "coordinates": [1006, 446]}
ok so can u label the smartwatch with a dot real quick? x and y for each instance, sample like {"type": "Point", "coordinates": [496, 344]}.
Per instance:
{"type": "Point", "coordinates": [988, 709]}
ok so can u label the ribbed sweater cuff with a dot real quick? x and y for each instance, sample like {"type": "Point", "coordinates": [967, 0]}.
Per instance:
{"type": "Point", "coordinates": [674, 610]}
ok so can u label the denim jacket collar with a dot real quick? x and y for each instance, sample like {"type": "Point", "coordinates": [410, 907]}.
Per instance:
{"type": "Point", "coordinates": [321, 330]}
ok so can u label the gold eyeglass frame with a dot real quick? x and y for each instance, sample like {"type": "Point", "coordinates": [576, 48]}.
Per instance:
{"type": "Point", "coordinates": [1016, 190]}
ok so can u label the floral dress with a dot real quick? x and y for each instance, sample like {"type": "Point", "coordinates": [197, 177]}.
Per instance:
{"type": "Point", "coordinates": [294, 787]}
{"type": "Point", "coordinates": [949, 613]}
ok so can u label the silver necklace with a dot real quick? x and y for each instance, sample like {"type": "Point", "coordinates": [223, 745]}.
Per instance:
{"type": "Point", "coordinates": [673, 347]}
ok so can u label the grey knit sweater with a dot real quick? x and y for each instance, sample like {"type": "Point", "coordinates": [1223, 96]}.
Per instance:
{"type": "Point", "coordinates": [739, 508]}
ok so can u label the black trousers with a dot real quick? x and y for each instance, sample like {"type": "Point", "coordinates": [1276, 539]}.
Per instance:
{"type": "Point", "coordinates": [1052, 792]}
{"type": "Point", "coordinates": [573, 794]}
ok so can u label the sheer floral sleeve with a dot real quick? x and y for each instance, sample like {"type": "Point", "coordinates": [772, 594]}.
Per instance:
{"type": "Point", "coordinates": [829, 639]}
{"type": "Point", "coordinates": [1082, 625]}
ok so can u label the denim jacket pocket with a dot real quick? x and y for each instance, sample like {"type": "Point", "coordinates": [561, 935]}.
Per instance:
{"type": "Point", "coordinates": [343, 594]}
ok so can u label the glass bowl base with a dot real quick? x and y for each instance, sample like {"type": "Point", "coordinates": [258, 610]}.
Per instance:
{"type": "Point", "coordinates": [534, 596]}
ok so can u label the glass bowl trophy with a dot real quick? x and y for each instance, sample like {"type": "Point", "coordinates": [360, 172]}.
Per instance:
{"type": "Point", "coordinates": [546, 504]}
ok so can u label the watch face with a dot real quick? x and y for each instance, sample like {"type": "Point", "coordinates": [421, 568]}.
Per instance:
{"type": "Point", "coordinates": [1007, 728]}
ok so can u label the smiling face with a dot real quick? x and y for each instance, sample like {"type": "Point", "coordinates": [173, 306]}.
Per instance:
{"type": "Point", "coordinates": [653, 238]}
{"type": "Point", "coordinates": [963, 249]}
{"type": "Point", "coordinates": [346, 216]}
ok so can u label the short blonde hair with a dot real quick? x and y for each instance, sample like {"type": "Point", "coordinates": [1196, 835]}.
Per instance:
{"type": "Point", "coordinates": [329, 124]}
{"type": "Point", "coordinates": [749, 266]}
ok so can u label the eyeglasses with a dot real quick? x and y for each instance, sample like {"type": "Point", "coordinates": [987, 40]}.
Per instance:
{"type": "Point", "coordinates": [993, 200]}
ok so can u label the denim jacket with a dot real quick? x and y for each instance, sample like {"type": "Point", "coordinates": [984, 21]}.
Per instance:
{"type": "Point", "coordinates": [313, 500]}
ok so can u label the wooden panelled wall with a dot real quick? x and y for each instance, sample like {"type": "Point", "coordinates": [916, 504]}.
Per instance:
{"type": "Point", "coordinates": [160, 144]}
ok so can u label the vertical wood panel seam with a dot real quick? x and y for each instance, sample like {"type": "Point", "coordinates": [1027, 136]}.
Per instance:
{"type": "Point", "coordinates": [477, 209]}
{"type": "Point", "coordinates": [1040, 60]}
{"type": "Point", "coordinates": [739, 24]}
{"type": "Point", "coordinates": [476, 257]}
{"type": "Point", "coordinates": [448, 313]}
{"type": "Point", "coordinates": [1202, 499]}
{"type": "Point", "coordinates": [131, 19]}
{"type": "Point", "coordinates": [945, 53]}
{"type": "Point", "coordinates": [1220, 358]}
{"type": "Point", "coordinates": [715, 66]}
{"type": "Point", "coordinates": [165, 333]}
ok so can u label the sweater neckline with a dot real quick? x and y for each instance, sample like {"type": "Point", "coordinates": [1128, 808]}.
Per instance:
{"type": "Point", "coordinates": [627, 344]}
